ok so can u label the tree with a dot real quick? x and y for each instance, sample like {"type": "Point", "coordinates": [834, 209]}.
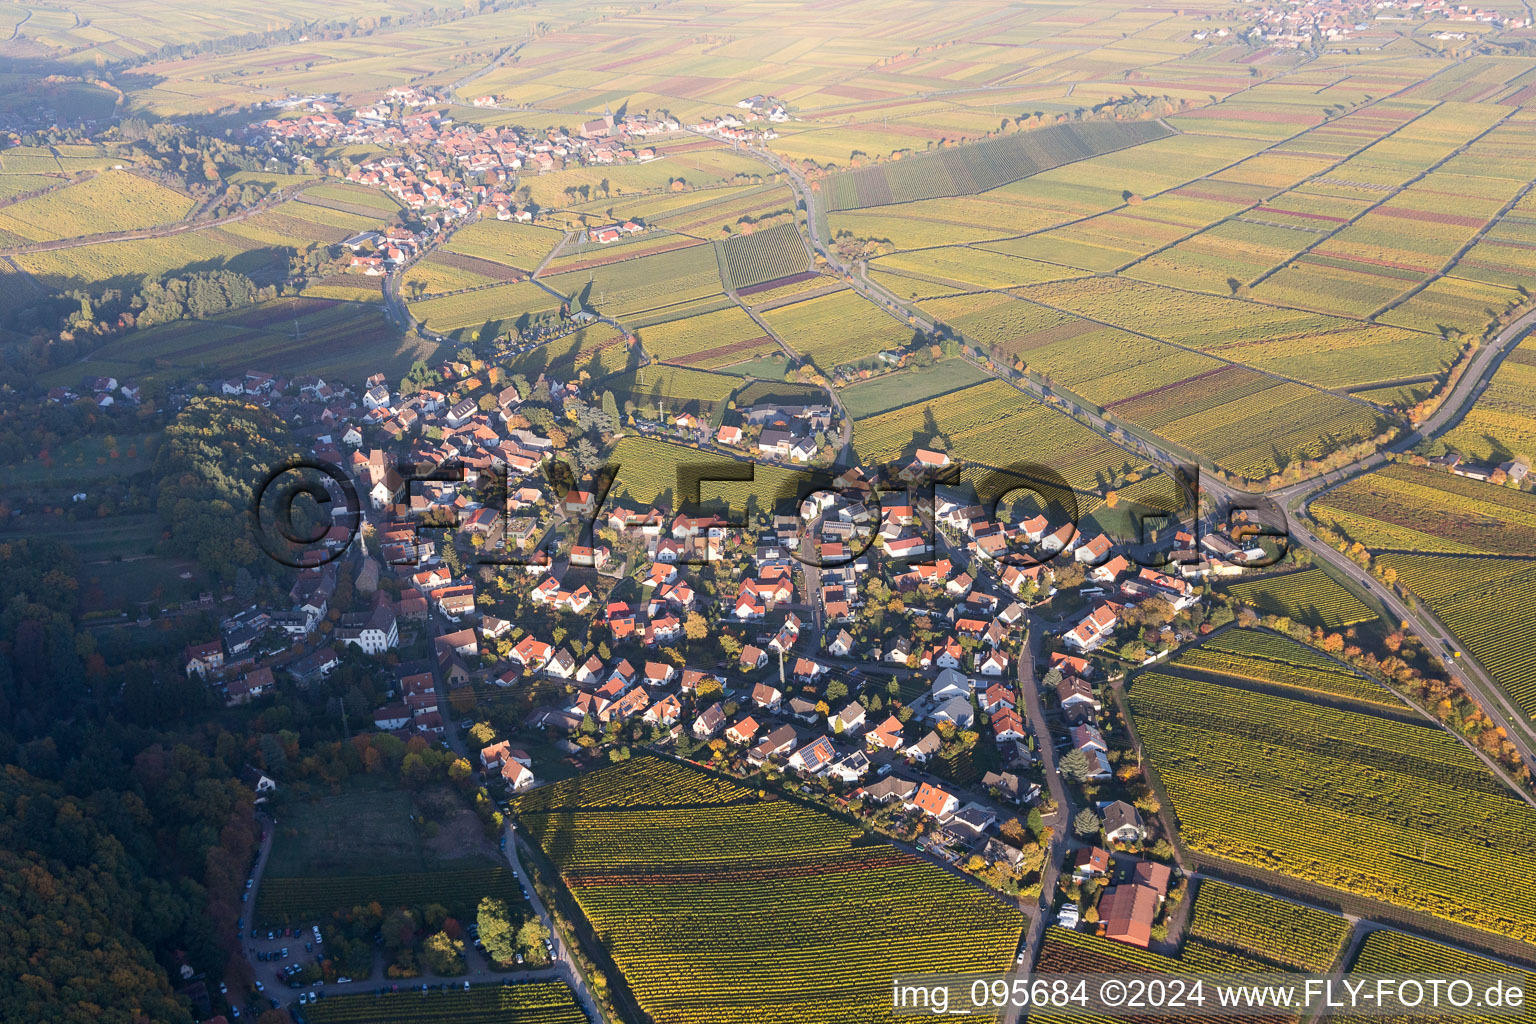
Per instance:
{"type": "Point", "coordinates": [1086, 823]}
{"type": "Point", "coordinates": [496, 933]}
{"type": "Point", "coordinates": [399, 929]}
{"type": "Point", "coordinates": [530, 941]}
{"type": "Point", "coordinates": [444, 954]}
{"type": "Point", "coordinates": [481, 734]}
{"type": "Point", "coordinates": [1075, 767]}
{"type": "Point", "coordinates": [695, 627]}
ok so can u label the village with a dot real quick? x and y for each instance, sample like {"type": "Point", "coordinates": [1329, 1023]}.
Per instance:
{"type": "Point", "coordinates": [875, 647]}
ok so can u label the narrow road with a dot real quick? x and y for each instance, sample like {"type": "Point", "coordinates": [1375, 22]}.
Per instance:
{"type": "Point", "coordinates": [564, 965]}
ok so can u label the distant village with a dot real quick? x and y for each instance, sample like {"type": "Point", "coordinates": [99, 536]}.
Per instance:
{"type": "Point", "coordinates": [1304, 22]}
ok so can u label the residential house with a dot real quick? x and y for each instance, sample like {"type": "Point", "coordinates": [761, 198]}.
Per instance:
{"type": "Point", "coordinates": [935, 802]}
{"type": "Point", "coordinates": [1122, 822]}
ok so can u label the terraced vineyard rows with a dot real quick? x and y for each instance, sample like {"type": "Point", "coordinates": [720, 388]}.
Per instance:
{"type": "Point", "coordinates": [1352, 800]}
{"type": "Point", "coordinates": [1310, 596]}
{"type": "Point", "coordinates": [1477, 600]}
{"type": "Point", "coordinates": [1272, 660]}
{"type": "Point", "coordinates": [1073, 952]}
{"type": "Point", "coordinates": [748, 260]}
{"type": "Point", "coordinates": [1416, 508]}
{"type": "Point", "coordinates": [291, 900]}
{"type": "Point", "coordinates": [985, 165]}
{"type": "Point", "coordinates": [1286, 934]}
{"type": "Point", "coordinates": [992, 424]}
{"type": "Point", "coordinates": [534, 1002]}
{"type": "Point", "coordinates": [664, 863]}
{"type": "Point", "coordinates": [1394, 953]}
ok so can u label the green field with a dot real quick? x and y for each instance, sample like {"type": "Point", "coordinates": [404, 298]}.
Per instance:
{"type": "Point", "coordinates": [110, 201]}
{"type": "Point", "coordinates": [1393, 953]}
{"type": "Point", "coordinates": [837, 329]}
{"type": "Point", "coordinates": [662, 859]}
{"type": "Point", "coordinates": [891, 391]}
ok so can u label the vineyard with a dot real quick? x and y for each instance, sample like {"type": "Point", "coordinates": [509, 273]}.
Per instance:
{"type": "Point", "coordinates": [747, 260]}
{"type": "Point", "coordinates": [1310, 596]}
{"type": "Point", "coordinates": [112, 201]}
{"type": "Point", "coordinates": [598, 350]}
{"type": "Point", "coordinates": [534, 1002]}
{"type": "Point", "coordinates": [515, 245]}
{"type": "Point", "coordinates": [651, 470]}
{"type": "Point", "coordinates": [1063, 951]}
{"type": "Point", "coordinates": [639, 285]}
{"type": "Point", "coordinates": [1362, 803]}
{"type": "Point", "coordinates": [664, 862]}
{"type": "Point", "coordinates": [1247, 656]}
{"type": "Point", "coordinates": [707, 339]}
{"type": "Point", "coordinates": [837, 329]}
{"type": "Point", "coordinates": [985, 165]}
{"type": "Point", "coordinates": [1416, 508]}
{"type": "Point", "coordinates": [1393, 953]}
{"type": "Point", "coordinates": [1502, 424]}
{"type": "Point", "coordinates": [284, 901]}
{"type": "Point", "coordinates": [1288, 935]}
{"type": "Point", "coordinates": [670, 390]}
{"type": "Point", "coordinates": [1472, 596]}
{"type": "Point", "coordinates": [495, 309]}
{"type": "Point", "coordinates": [994, 425]}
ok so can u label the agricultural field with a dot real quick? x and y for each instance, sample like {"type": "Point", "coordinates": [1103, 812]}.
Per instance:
{"type": "Point", "coordinates": [440, 272]}
{"type": "Point", "coordinates": [1394, 953]}
{"type": "Point", "coordinates": [101, 265]}
{"type": "Point", "coordinates": [110, 201]}
{"type": "Point", "coordinates": [1423, 509]}
{"type": "Point", "coordinates": [534, 1002]}
{"type": "Point", "coordinates": [1272, 662]}
{"type": "Point", "coordinates": [663, 872]}
{"type": "Point", "coordinates": [668, 391]}
{"type": "Point", "coordinates": [12, 185]}
{"type": "Point", "coordinates": [638, 286]}
{"type": "Point", "coordinates": [381, 854]}
{"type": "Point", "coordinates": [579, 252]}
{"type": "Point", "coordinates": [708, 339]}
{"type": "Point", "coordinates": [960, 267]}
{"type": "Point", "coordinates": [1310, 596]}
{"type": "Point", "coordinates": [485, 311]}
{"type": "Point", "coordinates": [301, 335]}
{"type": "Point", "coordinates": [1249, 423]}
{"type": "Point", "coordinates": [994, 425]}
{"type": "Point", "coordinates": [651, 471]}
{"type": "Point", "coordinates": [522, 246]}
{"type": "Point", "coordinates": [597, 351]}
{"type": "Point", "coordinates": [906, 387]}
{"type": "Point", "coordinates": [1473, 597]}
{"type": "Point", "coordinates": [748, 260]}
{"type": "Point", "coordinates": [726, 215]}
{"type": "Point", "coordinates": [1066, 951]}
{"type": "Point", "coordinates": [1352, 800]}
{"type": "Point", "coordinates": [1254, 924]}
{"type": "Point", "coordinates": [985, 165]}
{"type": "Point", "coordinates": [1502, 424]}
{"type": "Point", "coordinates": [838, 329]}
